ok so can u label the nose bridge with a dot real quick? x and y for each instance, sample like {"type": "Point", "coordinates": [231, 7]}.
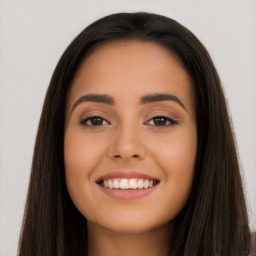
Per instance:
{"type": "Point", "coordinates": [128, 141]}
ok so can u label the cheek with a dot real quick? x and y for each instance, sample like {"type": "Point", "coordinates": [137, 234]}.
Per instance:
{"type": "Point", "coordinates": [176, 156]}
{"type": "Point", "coordinates": [176, 150]}
{"type": "Point", "coordinates": [82, 154]}
{"type": "Point", "coordinates": [180, 149]}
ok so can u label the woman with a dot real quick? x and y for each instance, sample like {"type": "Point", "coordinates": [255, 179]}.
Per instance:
{"type": "Point", "coordinates": [135, 153]}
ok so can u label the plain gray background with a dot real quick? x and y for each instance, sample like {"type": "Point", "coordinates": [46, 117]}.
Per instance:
{"type": "Point", "coordinates": [33, 36]}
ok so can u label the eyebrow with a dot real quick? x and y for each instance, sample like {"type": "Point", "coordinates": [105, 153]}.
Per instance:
{"type": "Point", "coordinates": [161, 97]}
{"type": "Point", "coordinates": [109, 100]}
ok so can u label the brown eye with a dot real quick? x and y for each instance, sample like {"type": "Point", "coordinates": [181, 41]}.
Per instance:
{"type": "Point", "coordinates": [93, 121]}
{"type": "Point", "coordinates": [162, 121]}
{"type": "Point", "coordinates": [96, 121]}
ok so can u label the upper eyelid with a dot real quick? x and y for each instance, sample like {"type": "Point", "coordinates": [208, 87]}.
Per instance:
{"type": "Point", "coordinates": [94, 113]}
{"type": "Point", "coordinates": [102, 113]}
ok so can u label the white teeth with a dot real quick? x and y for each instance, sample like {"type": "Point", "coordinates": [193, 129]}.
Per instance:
{"type": "Point", "coordinates": [140, 183]}
{"type": "Point", "coordinates": [133, 183]}
{"type": "Point", "coordinates": [124, 184]}
{"type": "Point", "coordinates": [116, 184]}
{"type": "Point", "coordinates": [110, 184]}
{"type": "Point", "coordinates": [105, 182]}
{"type": "Point", "coordinates": [146, 183]}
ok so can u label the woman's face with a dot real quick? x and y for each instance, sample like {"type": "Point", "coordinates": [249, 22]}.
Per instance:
{"type": "Point", "coordinates": [130, 122]}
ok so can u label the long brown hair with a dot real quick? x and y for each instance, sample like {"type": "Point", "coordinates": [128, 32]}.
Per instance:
{"type": "Point", "coordinates": [214, 220]}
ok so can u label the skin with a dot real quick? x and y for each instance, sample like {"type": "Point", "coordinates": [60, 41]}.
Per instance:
{"type": "Point", "coordinates": [129, 137]}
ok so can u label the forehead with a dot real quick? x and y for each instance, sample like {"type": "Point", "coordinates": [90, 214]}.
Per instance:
{"type": "Point", "coordinates": [131, 68]}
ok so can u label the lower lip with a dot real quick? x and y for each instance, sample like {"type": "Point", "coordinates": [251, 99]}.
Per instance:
{"type": "Point", "coordinates": [127, 194]}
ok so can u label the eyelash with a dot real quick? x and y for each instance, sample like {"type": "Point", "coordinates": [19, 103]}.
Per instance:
{"type": "Point", "coordinates": [171, 121]}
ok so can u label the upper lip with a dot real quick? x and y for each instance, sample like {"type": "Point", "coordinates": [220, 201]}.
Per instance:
{"type": "Point", "coordinates": [126, 174]}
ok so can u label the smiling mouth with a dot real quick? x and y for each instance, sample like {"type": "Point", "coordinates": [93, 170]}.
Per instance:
{"type": "Point", "coordinates": [128, 184]}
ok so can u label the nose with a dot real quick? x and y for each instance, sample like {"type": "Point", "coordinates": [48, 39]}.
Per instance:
{"type": "Point", "coordinates": [127, 143]}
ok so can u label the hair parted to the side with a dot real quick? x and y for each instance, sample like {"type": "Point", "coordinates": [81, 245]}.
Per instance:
{"type": "Point", "coordinates": [214, 220]}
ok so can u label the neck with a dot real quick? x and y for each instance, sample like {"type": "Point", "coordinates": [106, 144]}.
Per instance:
{"type": "Point", "coordinates": [104, 242]}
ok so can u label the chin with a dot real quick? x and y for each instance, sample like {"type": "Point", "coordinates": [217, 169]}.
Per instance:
{"type": "Point", "coordinates": [131, 223]}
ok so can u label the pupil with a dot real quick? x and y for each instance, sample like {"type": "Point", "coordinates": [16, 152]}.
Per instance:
{"type": "Point", "coordinates": [160, 121]}
{"type": "Point", "coordinates": [96, 121]}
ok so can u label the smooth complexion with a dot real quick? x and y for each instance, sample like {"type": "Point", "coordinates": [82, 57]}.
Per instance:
{"type": "Point", "coordinates": [129, 132]}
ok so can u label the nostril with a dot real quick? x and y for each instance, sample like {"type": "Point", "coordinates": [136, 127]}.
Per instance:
{"type": "Point", "coordinates": [118, 156]}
